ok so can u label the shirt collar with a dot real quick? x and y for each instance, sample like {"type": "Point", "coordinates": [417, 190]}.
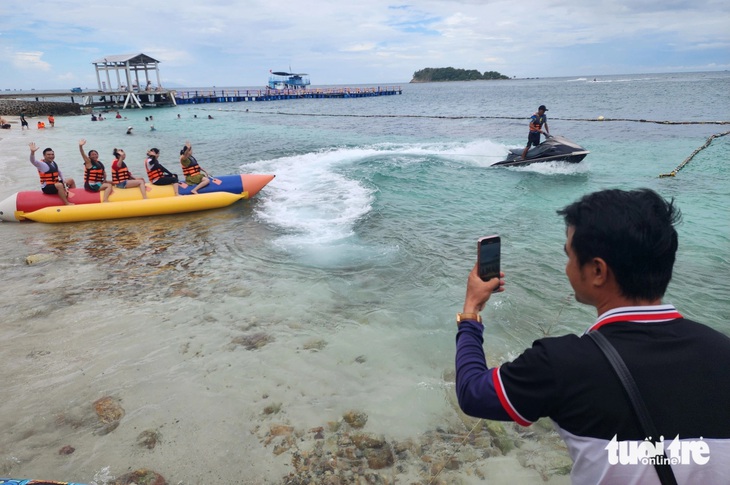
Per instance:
{"type": "Point", "coordinates": [638, 314]}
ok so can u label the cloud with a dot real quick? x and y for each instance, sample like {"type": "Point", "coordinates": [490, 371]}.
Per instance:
{"type": "Point", "coordinates": [30, 61]}
{"type": "Point", "coordinates": [172, 56]}
{"type": "Point", "coordinates": [235, 43]}
{"type": "Point", "coordinates": [364, 47]}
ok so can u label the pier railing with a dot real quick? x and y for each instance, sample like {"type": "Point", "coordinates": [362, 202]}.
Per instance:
{"type": "Point", "coordinates": [235, 95]}
{"type": "Point", "coordinates": [165, 97]}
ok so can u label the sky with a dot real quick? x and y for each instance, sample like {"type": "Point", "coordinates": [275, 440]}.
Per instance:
{"type": "Point", "coordinates": [227, 43]}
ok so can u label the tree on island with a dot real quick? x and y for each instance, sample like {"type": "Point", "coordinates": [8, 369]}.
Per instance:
{"type": "Point", "coordinates": [439, 74]}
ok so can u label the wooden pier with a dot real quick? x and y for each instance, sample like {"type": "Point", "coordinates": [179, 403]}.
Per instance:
{"type": "Point", "coordinates": [120, 80]}
{"type": "Point", "coordinates": [239, 95]}
{"type": "Point", "coordinates": [125, 99]}
{"type": "Point", "coordinates": [122, 99]}
{"type": "Point", "coordinates": [115, 99]}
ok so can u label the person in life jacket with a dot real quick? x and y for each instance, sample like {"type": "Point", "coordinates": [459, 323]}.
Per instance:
{"type": "Point", "coordinates": [192, 170]}
{"type": "Point", "coordinates": [51, 120]}
{"type": "Point", "coordinates": [41, 125]}
{"type": "Point", "coordinates": [94, 173]}
{"type": "Point", "coordinates": [158, 174]}
{"type": "Point", "coordinates": [537, 121]}
{"type": "Point", "coordinates": [52, 180]}
{"type": "Point", "coordinates": [122, 178]}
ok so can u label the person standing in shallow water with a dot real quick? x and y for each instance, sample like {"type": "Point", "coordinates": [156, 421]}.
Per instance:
{"type": "Point", "coordinates": [52, 181]}
{"type": "Point", "coordinates": [94, 173]}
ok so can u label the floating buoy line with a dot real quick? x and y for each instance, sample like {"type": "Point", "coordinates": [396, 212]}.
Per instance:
{"type": "Point", "coordinates": [673, 173]}
{"type": "Point", "coordinates": [442, 117]}
{"type": "Point", "coordinates": [601, 119]}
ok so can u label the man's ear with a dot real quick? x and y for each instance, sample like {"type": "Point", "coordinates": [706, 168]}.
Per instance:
{"type": "Point", "coordinates": [599, 272]}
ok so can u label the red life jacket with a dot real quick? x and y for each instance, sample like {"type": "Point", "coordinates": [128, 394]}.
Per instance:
{"type": "Point", "coordinates": [95, 174]}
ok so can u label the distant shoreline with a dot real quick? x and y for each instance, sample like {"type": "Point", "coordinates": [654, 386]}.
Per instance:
{"type": "Point", "coordinates": [175, 87]}
{"type": "Point", "coordinates": [445, 74]}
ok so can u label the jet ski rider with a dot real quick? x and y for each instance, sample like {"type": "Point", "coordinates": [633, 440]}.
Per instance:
{"type": "Point", "coordinates": [536, 123]}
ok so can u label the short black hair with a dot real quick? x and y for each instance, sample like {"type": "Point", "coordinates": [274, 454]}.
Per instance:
{"type": "Point", "coordinates": [633, 232]}
{"type": "Point", "coordinates": [46, 150]}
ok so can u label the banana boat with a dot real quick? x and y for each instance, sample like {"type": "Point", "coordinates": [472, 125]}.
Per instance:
{"type": "Point", "coordinates": [88, 206]}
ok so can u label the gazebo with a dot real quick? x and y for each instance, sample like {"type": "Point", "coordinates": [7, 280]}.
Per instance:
{"type": "Point", "coordinates": [127, 69]}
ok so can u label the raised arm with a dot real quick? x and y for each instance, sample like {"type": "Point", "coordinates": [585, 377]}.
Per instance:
{"type": "Point", "coordinates": [87, 161]}
{"type": "Point", "coordinates": [38, 164]}
{"type": "Point", "coordinates": [186, 151]}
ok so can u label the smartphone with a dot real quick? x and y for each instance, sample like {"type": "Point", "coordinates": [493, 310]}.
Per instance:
{"type": "Point", "coordinates": [488, 257]}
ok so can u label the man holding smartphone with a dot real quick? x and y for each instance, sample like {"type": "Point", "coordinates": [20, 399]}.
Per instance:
{"type": "Point", "coordinates": [621, 248]}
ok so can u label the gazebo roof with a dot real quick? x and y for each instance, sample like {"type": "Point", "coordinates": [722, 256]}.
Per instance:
{"type": "Point", "coordinates": [132, 59]}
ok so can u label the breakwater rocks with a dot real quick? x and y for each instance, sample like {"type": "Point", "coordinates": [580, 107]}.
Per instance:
{"type": "Point", "coordinates": [13, 107]}
{"type": "Point", "coordinates": [342, 453]}
{"type": "Point", "coordinates": [100, 418]}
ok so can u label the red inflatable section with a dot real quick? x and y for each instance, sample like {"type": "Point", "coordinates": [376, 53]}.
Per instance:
{"type": "Point", "coordinates": [29, 201]}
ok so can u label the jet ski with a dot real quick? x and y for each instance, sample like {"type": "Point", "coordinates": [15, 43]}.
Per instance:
{"type": "Point", "coordinates": [553, 149]}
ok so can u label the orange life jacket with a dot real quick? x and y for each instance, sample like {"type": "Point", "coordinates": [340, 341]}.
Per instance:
{"type": "Point", "coordinates": [536, 125]}
{"type": "Point", "coordinates": [121, 174]}
{"type": "Point", "coordinates": [155, 173]}
{"type": "Point", "coordinates": [192, 169]}
{"type": "Point", "coordinates": [95, 174]}
{"type": "Point", "coordinates": [51, 176]}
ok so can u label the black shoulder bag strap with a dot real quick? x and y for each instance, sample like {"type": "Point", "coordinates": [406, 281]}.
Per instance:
{"type": "Point", "coordinates": [666, 475]}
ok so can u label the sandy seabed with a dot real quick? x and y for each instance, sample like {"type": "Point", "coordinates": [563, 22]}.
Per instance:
{"type": "Point", "coordinates": [165, 345]}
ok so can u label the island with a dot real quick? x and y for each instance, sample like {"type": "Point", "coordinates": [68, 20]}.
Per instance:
{"type": "Point", "coordinates": [441, 74]}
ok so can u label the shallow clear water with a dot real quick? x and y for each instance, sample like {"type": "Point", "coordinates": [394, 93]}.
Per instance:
{"type": "Point", "coordinates": [352, 262]}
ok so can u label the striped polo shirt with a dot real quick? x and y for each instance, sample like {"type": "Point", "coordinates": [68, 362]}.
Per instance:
{"type": "Point", "coordinates": [682, 369]}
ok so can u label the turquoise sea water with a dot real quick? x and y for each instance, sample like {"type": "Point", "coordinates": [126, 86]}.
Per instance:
{"type": "Point", "coordinates": [351, 265]}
